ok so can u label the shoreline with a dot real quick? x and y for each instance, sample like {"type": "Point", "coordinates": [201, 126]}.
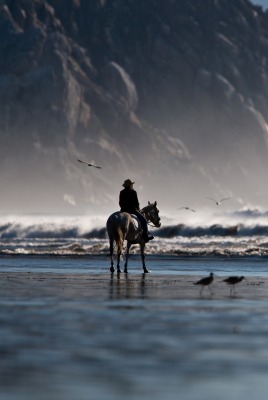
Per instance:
{"type": "Point", "coordinates": [101, 286]}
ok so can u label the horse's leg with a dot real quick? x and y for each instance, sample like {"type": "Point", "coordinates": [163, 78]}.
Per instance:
{"type": "Point", "coordinates": [112, 255]}
{"type": "Point", "coordinates": [142, 247]}
{"type": "Point", "coordinates": [118, 262]}
{"type": "Point", "coordinates": [119, 251]}
{"type": "Point", "coordinates": [127, 255]}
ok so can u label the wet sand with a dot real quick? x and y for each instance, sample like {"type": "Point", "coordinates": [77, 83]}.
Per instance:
{"type": "Point", "coordinates": [136, 336]}
{"type": "Point", "coordinates": [90, 286]}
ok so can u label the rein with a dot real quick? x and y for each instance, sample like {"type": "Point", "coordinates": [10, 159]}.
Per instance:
{"type": "Point", "coordinates": [144, 212]}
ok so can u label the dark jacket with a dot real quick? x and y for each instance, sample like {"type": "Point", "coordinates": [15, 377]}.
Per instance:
{"type": "Point", "coordinates": [128, 200]}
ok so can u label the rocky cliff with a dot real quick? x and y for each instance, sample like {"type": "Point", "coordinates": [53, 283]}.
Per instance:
{"type": "Point", "coordinates": [172, 94]}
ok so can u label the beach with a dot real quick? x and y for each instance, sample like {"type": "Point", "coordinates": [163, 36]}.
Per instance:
{"type": "Point", "coordinates": [133, 132]}
{"type": "Point", "coordinates": [83, 333]}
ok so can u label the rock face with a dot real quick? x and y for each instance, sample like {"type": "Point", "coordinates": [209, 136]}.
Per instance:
{"type": "Point", "coordinates": [171, 94]}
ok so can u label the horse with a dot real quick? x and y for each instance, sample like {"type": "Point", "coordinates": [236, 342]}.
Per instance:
{"type": "Point", "coordinates": [123, 226]}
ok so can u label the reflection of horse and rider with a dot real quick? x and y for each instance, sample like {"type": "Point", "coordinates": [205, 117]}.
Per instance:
{"type": "Point", "coordinates": [130, 224]}
{"type": "Point", "coordinates": [128, 201]}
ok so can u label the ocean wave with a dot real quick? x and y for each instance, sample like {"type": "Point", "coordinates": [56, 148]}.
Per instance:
{"type": "Point", "coordinates": [213, 230]}
{"type": "Point", "coordinates": [236, 234]}
{"type": "Point", "coordinates": [245, 222]}
{"type": "Point", "coordinates": [49, 228]}
{"type": "Point", "coordinates": [42, 232]}
{"type": "Point", "coordinates": [249, 213]}
{"type": "Point", "coordinates": [53, 231]}
{"type": "Point", "coordinates": [102, 250]}
{"type": "Point", "coordinates": [201, 246]}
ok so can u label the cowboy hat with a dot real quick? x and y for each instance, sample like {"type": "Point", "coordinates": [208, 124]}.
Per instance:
{"type": "Point", "coordinates": [128, 183]}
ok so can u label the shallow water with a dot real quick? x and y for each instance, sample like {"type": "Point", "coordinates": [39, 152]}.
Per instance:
{"type": "Point", "coordinates": [246, 265]}
{"type": "Point", "coordinates": [70, 330]}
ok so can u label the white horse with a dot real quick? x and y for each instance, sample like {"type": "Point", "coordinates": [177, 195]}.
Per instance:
{"type": "Point", "coordinates": [123, 226]}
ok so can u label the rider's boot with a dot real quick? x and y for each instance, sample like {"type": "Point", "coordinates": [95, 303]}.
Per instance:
{"type": "Point", "coordinates": [148, 238]}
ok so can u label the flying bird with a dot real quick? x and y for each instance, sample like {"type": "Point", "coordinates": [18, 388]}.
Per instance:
{"type": "Point", "coordinates": [186, 208]}
{"type": "Point", "coordinates": [218, 202]}
{"type": "Point", "coordinates": [89, 164]}
{"type": "Point", "coordinates": [233, 280]}
{"type": "Point", "coordinates": [205, 282]}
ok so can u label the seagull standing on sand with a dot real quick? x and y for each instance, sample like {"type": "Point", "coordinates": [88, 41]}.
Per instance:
{"type": "Point", "coordinates": [186, 208]}
{"type": "Point", "coordinates": [218, 202]}
{"type": "Point", "coordinates": [205, 282]}
{"type": "Point", "coordinates": [89, 164]}
{"type": "Point", "coordinates": [233, 280]}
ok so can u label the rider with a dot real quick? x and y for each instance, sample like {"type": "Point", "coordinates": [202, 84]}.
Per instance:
{"type": "Point", "coordinates": [128, 201]}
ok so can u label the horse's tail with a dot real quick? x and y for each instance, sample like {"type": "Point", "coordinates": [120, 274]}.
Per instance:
{"type": "Point", "coordinates": [115, 233]}
{"type": "Point", "coordinates": [119, 239]}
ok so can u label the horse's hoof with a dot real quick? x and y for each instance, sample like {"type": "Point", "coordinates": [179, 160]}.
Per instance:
{"type": "Point", "coordinates": [118, 270]}
{"type": "Point", "coordinates": [112, 269]}
{"type": "Point", "coordinates": [146, 271]}
{"type": "Point", "coordinates": [125, 271]}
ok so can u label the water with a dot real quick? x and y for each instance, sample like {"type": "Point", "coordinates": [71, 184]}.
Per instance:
{"type": "Point", "coordinates": [160, 265]}
{"type": "Point", "coordinates": [236, 233]}
{"type": "Point", "coordinates": [78, 336]}
{"type": "Point", "coordinates": [71, 330]}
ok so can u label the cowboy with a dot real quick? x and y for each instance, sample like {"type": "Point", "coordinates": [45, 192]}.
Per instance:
{"type": "Point", "coordinates": [128, 201]}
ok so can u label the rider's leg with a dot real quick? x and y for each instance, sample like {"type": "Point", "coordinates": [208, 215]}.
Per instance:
{"type": "Point", "coordinates": [144, 226]}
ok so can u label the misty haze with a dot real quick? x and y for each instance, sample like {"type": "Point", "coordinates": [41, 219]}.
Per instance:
{"type": "Point", "coordinates": [172, 95]}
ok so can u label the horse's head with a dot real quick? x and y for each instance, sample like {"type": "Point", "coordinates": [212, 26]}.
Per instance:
{"type": "Point", "coordinates": [151, 213]}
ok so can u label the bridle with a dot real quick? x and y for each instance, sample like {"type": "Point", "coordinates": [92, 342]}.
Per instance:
{"type": "Point", "coordinates": [151, 213]}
